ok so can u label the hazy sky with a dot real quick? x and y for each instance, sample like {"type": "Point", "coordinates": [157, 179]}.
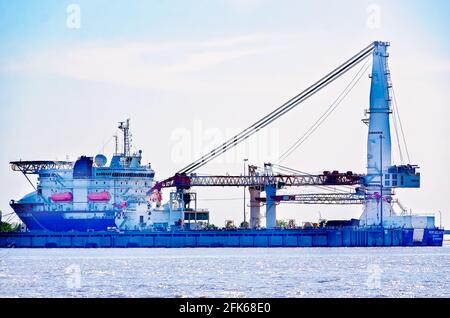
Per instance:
{"type": "Point", "coordinates": [190, 73]}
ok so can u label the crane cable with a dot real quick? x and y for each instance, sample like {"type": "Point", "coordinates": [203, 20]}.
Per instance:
{"type": "Point", "coordinates": [10, 217]}
{"type": "Point", "coordinates": [401, 125]}
{"type": "Point", "coordinates": [326, 114]}
{"type": "Point", "coordinates": [396, 116]}
{"type": "Point", "coordinates": [298, 172]}
{"type": "Point", "coordinates": [323, 187]}
{"type": "Point", "coordinates": [281, 110]}
{"type": "Point", "coordinates": [388, 98]}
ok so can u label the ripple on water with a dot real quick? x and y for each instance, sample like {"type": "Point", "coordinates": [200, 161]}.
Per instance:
{"type": "Point", "coordinates": [308, 272]}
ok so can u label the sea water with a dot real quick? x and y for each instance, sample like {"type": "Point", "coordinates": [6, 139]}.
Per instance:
{"type": "Point", "coordinates": [226, 272]}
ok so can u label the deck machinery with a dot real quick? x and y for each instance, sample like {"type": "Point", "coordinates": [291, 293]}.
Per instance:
{"type": "Point", "coordinates": [374, 189]}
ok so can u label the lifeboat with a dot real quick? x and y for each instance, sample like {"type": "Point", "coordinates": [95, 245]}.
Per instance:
{"type": "Point", "coordinates": [61, 197]}
{"type": "Point", "coordinates": [121, 205]}
{"type": "Point", "coordinates": [99, 196]}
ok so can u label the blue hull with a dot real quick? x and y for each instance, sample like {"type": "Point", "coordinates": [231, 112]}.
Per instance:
{"type": "Point", "coordinates": [64, 221]}
{"type": "Point", "coordinates": [352, 237]}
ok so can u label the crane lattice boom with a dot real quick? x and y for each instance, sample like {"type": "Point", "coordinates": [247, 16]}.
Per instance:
{"type": "Point", "coordinates": [334, 178]}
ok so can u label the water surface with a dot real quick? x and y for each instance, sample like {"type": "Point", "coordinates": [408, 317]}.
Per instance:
{"type": "Point", "coordinates": [226, 272]}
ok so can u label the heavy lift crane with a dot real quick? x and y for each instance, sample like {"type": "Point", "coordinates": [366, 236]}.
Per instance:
{"type": "Point", "coordinates": [374, 187]}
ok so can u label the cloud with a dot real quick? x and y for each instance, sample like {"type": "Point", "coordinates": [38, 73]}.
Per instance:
{"type": "Point", "coordinates": [142, 64]}
{"type": "Point", "coordinates": [200, 61]}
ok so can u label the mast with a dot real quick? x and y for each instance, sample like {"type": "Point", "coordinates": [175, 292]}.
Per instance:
{"type": "Point", "coordinates": [116, 144]}
{"type": "Point", "coordinates": [125, 127]}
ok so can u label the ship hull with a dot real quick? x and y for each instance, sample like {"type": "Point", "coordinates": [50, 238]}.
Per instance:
{"type": "Point", "coordinates": [64, 221]}
{"type": "Point", "coordinates": [346, 237]}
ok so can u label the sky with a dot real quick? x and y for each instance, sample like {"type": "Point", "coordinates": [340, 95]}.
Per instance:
{"type": "Point", "coordinates": [191, 73]}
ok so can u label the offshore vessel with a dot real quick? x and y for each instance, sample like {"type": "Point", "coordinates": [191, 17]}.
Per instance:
{"type": "Point", "coordinates": [89, 195]}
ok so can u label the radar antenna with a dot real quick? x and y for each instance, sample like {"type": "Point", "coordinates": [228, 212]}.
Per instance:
{"type": "Point", "coordinates": [125, 127]}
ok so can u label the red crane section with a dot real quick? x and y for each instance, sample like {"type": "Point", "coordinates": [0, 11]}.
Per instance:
{"type": "Point", "coordinates": [335, 178]}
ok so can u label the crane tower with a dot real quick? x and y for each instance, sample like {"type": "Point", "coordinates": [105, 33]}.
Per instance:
{"type": "Point", "coordinates": [381, 176]}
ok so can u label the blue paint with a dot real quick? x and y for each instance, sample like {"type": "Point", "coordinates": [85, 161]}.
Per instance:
{"type": "Point", "coordinates": [64, 221]}
{"type": "Point", "coordinates": [83, 168]}
{"type": "Point", "coordinates": [322, 237]}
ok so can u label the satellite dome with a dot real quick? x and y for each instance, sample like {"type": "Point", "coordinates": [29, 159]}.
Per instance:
{"type": "Point", "coordinates": [100, 160]}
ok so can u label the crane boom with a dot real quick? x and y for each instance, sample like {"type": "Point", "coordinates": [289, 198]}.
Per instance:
{"type": "Point", "coordinates": [326, 198]}
{"type": "Point", "coordinates": [328, 179]}
{"type": "Point", "coordinates": [320, 198]}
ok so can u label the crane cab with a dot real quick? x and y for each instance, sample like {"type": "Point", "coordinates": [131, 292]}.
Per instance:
{"type": "Point", "coordinates": [403, 176]}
